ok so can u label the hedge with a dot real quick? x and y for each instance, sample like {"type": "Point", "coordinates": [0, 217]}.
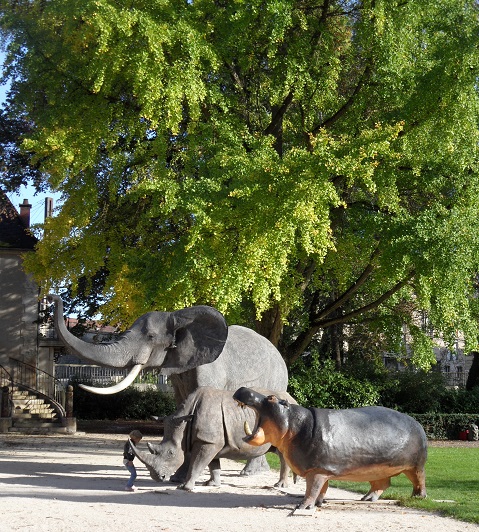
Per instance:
{"type": "Point", "coordinates": [445, 426]}
{"type": "Point", "coordinates": [130, 403]}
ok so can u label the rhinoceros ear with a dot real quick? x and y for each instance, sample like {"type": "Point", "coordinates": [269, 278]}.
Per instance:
{"type": "Point", "coordinates": [182, 419]}
{"type": "Point", "coordinates": [198, 337]}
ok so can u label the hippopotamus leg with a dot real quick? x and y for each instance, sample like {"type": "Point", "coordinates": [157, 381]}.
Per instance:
{"type": "Point", "coordinates": [316, 486]}
{"type": "Point", "coordinates": [322, 493]}
{"type": "Point", "coordinates": [418, 480]}
{"type": "Point", "coordinates": [215, 473]}
{"type": "Point", "coordinates": [377, 488]}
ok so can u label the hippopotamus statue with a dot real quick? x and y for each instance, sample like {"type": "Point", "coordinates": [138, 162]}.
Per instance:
{"type": "Point", "coordinates": [207, 426]}
{"type": "Point", "coordinates": [369, 444]}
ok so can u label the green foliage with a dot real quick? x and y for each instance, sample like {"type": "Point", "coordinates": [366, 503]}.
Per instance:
{"type": "Point", "coordinates": [127, 404]}
{"type": "Point", "coordinates": [301, 157]}
{"type": "Point", "coordinates": [440, 426]}
{"type": "Point", "coordinates": [460, 401]}
{"type": "Point", "coordinates": [414, 391]}
{"type": "Point", "coordinates": [318, 384]}
{"type": "Point", "coordinates": [360, 383]}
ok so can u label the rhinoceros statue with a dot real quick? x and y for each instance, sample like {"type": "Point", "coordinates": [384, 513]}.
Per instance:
{"type": "Point", "coordinates": [206, 427]}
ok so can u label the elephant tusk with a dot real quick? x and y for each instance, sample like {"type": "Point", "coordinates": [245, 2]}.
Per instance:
{"type": "Point", "coordinates": [247, 429]}
{"type": "Point", "coordinates": [117, 387]}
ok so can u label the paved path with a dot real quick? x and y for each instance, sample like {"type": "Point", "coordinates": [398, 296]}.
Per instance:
{"type": "Point", "coordinates": [75, 483]}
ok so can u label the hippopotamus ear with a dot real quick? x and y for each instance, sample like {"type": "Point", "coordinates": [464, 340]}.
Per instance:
{"type": "Point", "coordinates": [278, 400]}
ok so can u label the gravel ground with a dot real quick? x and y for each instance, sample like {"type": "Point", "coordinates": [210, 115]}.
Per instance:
{"type": "Point", "coordinates": [73, 483]}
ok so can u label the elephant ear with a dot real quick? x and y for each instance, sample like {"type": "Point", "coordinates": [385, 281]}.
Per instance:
{"type": "Point", "coordinates": [199, 335]}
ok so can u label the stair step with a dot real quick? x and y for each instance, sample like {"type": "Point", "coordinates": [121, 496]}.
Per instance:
{"type": "Point", "coordinates": [34, 423]}
{"type": "Point", "coordinates": [32, 414]}
{"type": "Point", "coordinates": [32, 401]}
{"type": "Point", "coordinates": [53, 429]}
{"type": "Point", "coordinates": [21, 396]}
{"type": "Point", "coordinates": [47, 409]}
{"type": "Point", "coordinates": [42, 415]}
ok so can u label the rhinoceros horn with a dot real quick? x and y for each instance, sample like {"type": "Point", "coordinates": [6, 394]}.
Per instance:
{"type": "Point", "coordinates": [149, 461]}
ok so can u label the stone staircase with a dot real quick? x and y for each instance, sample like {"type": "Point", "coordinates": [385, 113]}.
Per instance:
{"type": "Point", "coordinates": [31, 414]}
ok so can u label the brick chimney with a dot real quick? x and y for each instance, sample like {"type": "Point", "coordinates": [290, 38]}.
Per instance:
{"type": "Point", "coordinates": [25, 208]}
{"type": "Point", "coordinates": [48, 208]}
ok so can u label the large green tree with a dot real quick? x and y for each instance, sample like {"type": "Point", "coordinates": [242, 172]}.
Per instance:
{"type": "Point", "coordinates": [310, 163]}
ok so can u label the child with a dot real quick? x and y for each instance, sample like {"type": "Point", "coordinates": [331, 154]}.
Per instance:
{"type": "Point", "coordinates": [135, 436]}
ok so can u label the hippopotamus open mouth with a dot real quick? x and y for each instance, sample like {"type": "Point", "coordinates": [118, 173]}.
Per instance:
{"type": "Point", "coordinates": [250, 398]}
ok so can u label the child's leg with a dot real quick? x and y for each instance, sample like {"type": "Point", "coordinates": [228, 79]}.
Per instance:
{"type": "Point", "coordinates": [132, 470]}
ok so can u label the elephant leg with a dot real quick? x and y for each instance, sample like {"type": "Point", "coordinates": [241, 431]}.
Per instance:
{"type": "Point", "coordinates": [215, 473]}
{"type": "Point", "coordinates": [201, 455]}
{"type": "Point", "coordinates": [255, 465]}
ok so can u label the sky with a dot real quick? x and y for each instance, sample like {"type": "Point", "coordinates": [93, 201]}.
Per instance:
{"type": "Point", "coordinates": [37, 202]}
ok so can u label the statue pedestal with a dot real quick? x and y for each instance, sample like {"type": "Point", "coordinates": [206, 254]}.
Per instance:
{"type": "Point", "coordinates": [70, 424]}
{"type": "Point", "coordinates": [5, 424]}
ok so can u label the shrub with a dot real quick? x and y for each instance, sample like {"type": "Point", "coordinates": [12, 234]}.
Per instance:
{"type": "Point", "coordinates": [414, 391]}
{"type": "Point", "coordinates": [445, 426]}
{"type": "Point", "coordinates": [318, 384]}
{"type": "Point", "coordinates": [460, 401]}
{"type": "Point", "coordinates": [127, 404]}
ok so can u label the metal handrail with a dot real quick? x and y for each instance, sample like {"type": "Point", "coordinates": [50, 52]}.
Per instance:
{"type": "Point", "coordinates": [39, 382]}
{"type": "Point", "coordinates": [5, 377]}
{"type": "Point", "coordinates": [101, 374]}
{"type": "Point", "coordinates": [6, 381]}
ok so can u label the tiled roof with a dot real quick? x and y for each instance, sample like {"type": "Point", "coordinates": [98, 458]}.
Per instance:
{"type": "Point", "coordinates": [13, 234]}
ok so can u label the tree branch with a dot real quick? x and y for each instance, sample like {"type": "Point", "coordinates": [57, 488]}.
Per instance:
{"type": "Point", "coordinates": [375, 304]}
{"type": "Point", "coordinates": [277, 118]}
{"type": "Point", "coordinates": [345, 296]}
{"type": "Point", "coordinates": [340, 112]}
{"type": "Point", "coordinates": [296, 349]}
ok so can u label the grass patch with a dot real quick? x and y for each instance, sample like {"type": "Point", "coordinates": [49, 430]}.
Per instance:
{"type": "Point", "coordinates": [452, 474]}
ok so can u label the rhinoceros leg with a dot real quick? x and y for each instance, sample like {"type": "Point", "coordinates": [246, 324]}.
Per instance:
{"type": "Point", "coordinates": [283, 473]}
{"type": "Point", "coordinates": [255, 465]}
{"type": "Point", "coordinates": [181, 473]}
{"type": "Point", "coordinates": [316, 486]}
{"type": "Point", "coordinates": [418, 479]}
{"type": "Point", "coordinates": [377, 489]}
{"type": "Point", "coordinates": [201, 455]}
{"type": "Point", "coordinates": [215, 473]}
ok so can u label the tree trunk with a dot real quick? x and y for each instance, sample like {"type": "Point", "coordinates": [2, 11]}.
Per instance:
{"type": "Point", "coordinates": [271, 325]}
{"type": "Point", "coordinates": [473, 377]}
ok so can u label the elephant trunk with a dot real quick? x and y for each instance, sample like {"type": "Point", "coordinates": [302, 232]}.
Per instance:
{"type": "Point", "coordinates": [117, 354]}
